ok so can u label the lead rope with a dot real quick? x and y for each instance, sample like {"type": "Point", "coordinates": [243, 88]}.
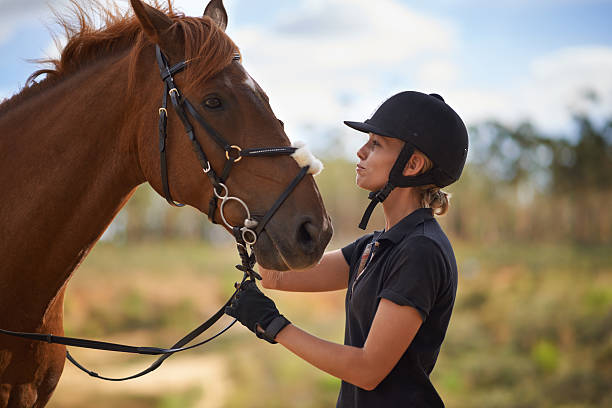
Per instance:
{"type": "Point", "coordinates": [245, 236]}
{"type": "Point", "coordinates": [248, 262]}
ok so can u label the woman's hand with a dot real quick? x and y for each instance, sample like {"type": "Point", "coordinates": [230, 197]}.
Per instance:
{"type": "Point", "coordinates": [257, 312]}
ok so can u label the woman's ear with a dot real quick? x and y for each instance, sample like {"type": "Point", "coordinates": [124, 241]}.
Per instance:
{"type": "Point", "coordinates": [415, 164]}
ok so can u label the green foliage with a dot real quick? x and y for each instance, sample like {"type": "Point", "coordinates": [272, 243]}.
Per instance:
{"type": "Point", "coordinates": [587, 164]}
{"type": "Point", "coordinates": [545, 354]}
{"type": "Point", "coordinates": [532, 327]}
{"type": "Point", "coordinates": [519, 185]}
{"type": "Point", "coordinates": [184, 399]}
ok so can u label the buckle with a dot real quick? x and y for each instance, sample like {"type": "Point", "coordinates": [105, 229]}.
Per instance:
{"type": "Point", "coordinates": [238, 151]}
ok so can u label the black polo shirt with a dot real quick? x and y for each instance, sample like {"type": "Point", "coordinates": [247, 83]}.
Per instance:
{"type": "Point", "coordinates": [413, 264]}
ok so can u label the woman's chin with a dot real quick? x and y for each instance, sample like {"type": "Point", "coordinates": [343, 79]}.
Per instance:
{"type": "Point", "coordinates": [364, 185]}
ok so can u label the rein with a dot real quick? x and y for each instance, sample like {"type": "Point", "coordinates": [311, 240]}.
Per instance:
{"type": "Point", "coordinates": [245, 235]}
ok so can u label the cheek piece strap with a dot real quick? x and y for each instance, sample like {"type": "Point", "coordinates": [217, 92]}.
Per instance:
{"type": "Point", "coordinates": [246, 235]}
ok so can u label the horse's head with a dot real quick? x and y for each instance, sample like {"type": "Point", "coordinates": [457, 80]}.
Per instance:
{"type": "Point", "coordinates": [222, 101]}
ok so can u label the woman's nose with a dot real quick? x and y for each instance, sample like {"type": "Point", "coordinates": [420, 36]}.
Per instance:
{"type": "Point", "coordinates": [361, 153]}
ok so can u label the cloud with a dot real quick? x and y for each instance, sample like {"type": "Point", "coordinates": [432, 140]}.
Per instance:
{"type": "Point", "coordinates": [6, 31]}
{"type": "Point", "coordinates": [324, 61]}
{"type": "Point", "coordinates": [23, 9]}
{"type": "Point", "coordinates": [561, 79]}
{"type": "Point", "coordinates": [18, 13]}
{"type": "Point", "coordinates": [337, 59]}
{"type": "Point", "coordinates": [553, 87]}
{"type": "Point", "coordinates": [437, 73]}
{"type": "Point", "coordinates": [340, 34]}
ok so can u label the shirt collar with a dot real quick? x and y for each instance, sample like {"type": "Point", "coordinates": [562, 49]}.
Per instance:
{"type": "Point", "coordinates": [406, 225]}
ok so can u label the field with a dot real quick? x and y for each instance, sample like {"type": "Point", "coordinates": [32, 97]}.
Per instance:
{"type": "Point", "coordinates": [532, 327]}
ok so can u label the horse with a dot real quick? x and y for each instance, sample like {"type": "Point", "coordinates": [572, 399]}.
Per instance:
{"type": "Point", "coordinates": [76, 144]}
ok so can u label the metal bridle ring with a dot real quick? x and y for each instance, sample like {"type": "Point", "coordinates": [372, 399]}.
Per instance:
{"type": "Point", "coordinates": [234, 159]}
{"type": "Point", "coordinates": [225, 190]}
{"type": "Point", "coordinates": [245, 231]}
{"type": "Point", "coordinates": [173, 90]}
{"type": "Point", "coordinates": [227, 199]}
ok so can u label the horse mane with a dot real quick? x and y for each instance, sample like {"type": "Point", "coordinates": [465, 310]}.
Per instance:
{"type": "Point", "coordinates": [207, 47]}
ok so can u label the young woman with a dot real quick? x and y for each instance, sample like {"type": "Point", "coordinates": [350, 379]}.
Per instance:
{"type": "Point", "coordinates": [401, 282]}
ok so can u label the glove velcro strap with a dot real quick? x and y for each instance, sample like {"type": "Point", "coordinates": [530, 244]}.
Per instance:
{"type": "Point", "coordinates": [273, 328]}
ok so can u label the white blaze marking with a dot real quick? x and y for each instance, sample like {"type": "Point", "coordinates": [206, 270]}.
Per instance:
{"type": "Point", "coordinates": [249, 81]}
{"type": "Point", "coordinates": [227, 81]}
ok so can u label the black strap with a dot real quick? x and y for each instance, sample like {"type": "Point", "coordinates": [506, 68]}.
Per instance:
{"type": "Point", "coordinates": [162, 124]}
{"type": "Point", "coordinates": [177, 347]}
{"type": "Point", "coordinates": [376, 197]}
{"type": "Point", "coordinates": [396, 179]}
{"type": "Point", "coordinates": [209, 129]}
{"type": "Point", "coordinates": [399, 180]}
{"type": "Point", "coordinates": [248, 260]}
{"type": "Point", "coordinates": [273, 328]}
{"type": "Point", "coordinates": [268, 151]}
{"type": "Point", "coordinates": [102, 345]}
{"type": "Point", "coordinates": [262, 223]}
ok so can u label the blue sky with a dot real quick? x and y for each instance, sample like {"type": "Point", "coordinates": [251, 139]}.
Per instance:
{"type": "Point", "coordinates": [322, 62]}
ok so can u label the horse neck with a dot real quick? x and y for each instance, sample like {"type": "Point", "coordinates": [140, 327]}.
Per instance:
{"type": "Point", "coordinates": [68, 167]}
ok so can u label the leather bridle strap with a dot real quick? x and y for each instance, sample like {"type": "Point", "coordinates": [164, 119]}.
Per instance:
{"type": "Point", "coordinates": [182, 106]}
{"type": "Point", "coordinates": [248, 260]}
{"type": "Point", "coordinates": [261, 225]}
{"type": "Point", "coordinates": [162, 352]}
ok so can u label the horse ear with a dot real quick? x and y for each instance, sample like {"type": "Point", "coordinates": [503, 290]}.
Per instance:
{"type": "Point", "coordinates": [216, 11]}
{"type": "Point", "coordinates": [153, 21]}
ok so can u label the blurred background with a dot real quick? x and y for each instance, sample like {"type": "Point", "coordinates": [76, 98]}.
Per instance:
{"type": "Point", "coordinates": [530, 220]}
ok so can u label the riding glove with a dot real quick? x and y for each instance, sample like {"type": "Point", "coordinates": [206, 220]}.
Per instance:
{"type": "Point", "coordinates": [252, 308]}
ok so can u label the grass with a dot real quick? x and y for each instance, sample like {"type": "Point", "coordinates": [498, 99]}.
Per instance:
{"type": "Point", "coordinates": [532, 327]}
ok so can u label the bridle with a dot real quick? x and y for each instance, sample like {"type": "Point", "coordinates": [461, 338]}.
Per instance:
{"type": "Point", "coordinates": [233, 154]}
{"type": "Point", "coordinates": [245, 235]}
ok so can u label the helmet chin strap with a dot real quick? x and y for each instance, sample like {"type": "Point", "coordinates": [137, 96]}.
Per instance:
{"type": "Point", "coordinates": [396, 179]}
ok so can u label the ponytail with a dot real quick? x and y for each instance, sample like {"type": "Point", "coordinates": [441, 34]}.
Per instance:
{"type": "Point", "coordinates": [436, 199]}
{"type": "Point", "coordinates": [431, 195]}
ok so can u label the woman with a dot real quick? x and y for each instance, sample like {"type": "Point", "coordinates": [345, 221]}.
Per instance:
{"type": "Point", "coordinates": [401, 282]}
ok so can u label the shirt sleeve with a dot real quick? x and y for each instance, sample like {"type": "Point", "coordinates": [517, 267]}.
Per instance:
{"type": "Point", "coordinates": [348, 251]}
{"type": "Point", "coordinates": [415, 276]}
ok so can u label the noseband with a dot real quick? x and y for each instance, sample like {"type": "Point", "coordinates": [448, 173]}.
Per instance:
{"type": "Point", "coordinates": [233, 154]}
{"type": "Point", "coordinates": [245, 235]}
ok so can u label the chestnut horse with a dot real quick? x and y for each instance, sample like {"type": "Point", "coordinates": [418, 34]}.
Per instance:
{"type": "Point", "coordinates": [76, 145]}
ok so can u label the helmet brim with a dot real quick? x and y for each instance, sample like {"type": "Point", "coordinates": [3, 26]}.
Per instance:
{"type": "Point", "coordinates": [367, 128]}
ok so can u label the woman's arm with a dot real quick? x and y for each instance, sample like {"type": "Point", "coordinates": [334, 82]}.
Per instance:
{"type": "Point", "coordinates": [391, 333]}
{"type": "Point", "coordinates": [331, 273]}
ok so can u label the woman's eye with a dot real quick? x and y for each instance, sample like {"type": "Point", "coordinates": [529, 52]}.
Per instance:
{"type": "Point", "coordinates": [212, 103]}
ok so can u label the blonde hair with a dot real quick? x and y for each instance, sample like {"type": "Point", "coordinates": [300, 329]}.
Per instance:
{"type": "Point", "coordinates": [431, 196]}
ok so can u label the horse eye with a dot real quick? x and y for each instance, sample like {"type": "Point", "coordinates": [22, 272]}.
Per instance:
{"type": "Point", "coordinates": [212, 103]}
{"type": "Point", "coordinates": [281, 123]}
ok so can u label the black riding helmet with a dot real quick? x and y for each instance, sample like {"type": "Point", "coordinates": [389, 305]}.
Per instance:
{"type": "Point", "coordinates": [423, 122]}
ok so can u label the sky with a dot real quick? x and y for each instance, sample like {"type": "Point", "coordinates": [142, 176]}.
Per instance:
{"type": "Point", "coordinates": [325, 61]}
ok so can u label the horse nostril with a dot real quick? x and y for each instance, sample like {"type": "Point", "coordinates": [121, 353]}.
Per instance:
{"type": "Point", "coordinates": [307, 236]}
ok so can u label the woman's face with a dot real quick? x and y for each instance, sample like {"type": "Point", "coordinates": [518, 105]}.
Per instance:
{"type": "Point", "coordinates": [376, 158]}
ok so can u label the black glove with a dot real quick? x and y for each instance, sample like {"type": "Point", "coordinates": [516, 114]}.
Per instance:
{"type": "Point", "coordinates": [252, 308]}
